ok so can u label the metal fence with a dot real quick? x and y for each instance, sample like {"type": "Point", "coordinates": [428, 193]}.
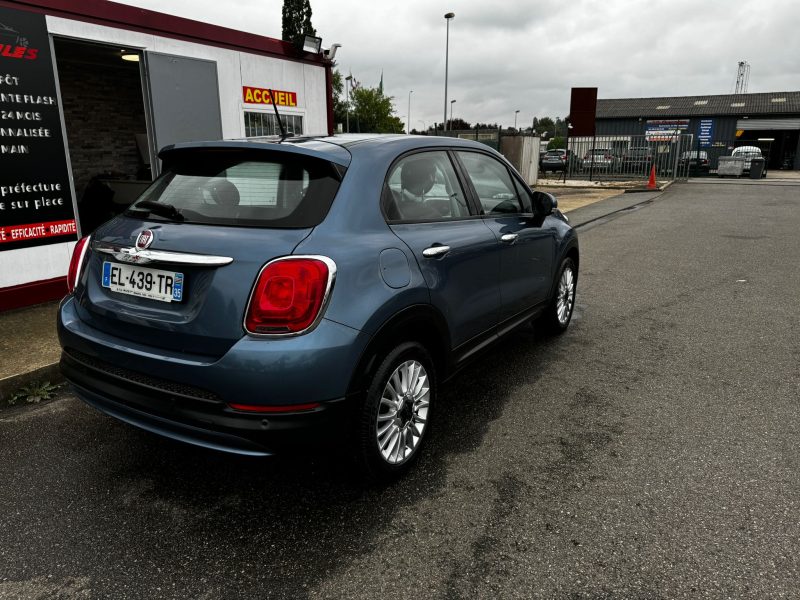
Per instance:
{"type": "Point", "coordinates": [490, 137]}
{"type": "Point", "coordinates": [632, 157]}
{"type": "Point", "coordinates": [629, 157]}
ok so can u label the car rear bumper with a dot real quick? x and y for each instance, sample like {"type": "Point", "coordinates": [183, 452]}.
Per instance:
{"type": "Point", "coordinates": [197, 418]}
{"type": "Point", "coordinates": [190, 400]}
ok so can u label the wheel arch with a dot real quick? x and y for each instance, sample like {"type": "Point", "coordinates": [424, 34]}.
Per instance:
{"type": "Point", "coordinates": [570, 250]}
{"type": "Point", "coordinates": [420, 323]}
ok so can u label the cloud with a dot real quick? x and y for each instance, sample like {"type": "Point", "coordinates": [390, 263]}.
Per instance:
{"type": "Point", "coordinates": [527, 54]}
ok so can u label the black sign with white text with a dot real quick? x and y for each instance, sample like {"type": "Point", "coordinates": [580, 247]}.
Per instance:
{"type": "Point", "coordinates": [36, 205]}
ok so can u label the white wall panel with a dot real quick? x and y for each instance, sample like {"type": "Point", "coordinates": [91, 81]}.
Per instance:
{"type": "Point", "coordinates": [25, 265]}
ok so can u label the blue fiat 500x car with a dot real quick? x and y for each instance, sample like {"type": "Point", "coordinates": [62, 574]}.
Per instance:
{"type": "Point", "coordinates": [260, 295]}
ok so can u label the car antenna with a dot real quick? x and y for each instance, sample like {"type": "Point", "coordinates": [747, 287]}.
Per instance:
{"type": "Point", "coordinates": [284, 135]}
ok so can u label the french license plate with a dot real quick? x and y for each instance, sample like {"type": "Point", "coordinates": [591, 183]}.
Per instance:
{"type": "Point", "coordinates": [166, 286]}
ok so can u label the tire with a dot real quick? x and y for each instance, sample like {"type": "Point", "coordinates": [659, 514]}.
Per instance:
{"type": "Point", "coordinates": [389, 440]}
{"type": "Point", "coordinates": [556, 317]}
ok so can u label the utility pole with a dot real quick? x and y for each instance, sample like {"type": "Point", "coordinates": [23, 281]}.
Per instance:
{"type": "Point", "coordinates": [348, 79]}
{"type": "Point", "coordinates": [447, 18]}
{"type": "Point", "coordinates": [742, 77]}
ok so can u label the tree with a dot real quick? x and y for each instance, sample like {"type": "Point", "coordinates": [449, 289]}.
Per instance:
{"type": "Point", "coordinates": [556, 143]}
{"type": "Point", "coordinates": [560, 127]}
{"type": "Point", "coordinates": [297, 20]}
{"type": "Point", "coordinates": [373, 112]}
{"type": "Point", "coordinates": [339, 98]}
{"type": "Point", "coordinates": [458, 124]}
{"type": "Point", "coordinates": [545, 124]}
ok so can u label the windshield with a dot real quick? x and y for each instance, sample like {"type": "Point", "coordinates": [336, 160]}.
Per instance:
{"type": "Point", "coordinates": [248, 189]}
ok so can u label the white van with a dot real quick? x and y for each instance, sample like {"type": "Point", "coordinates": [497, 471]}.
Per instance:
{"type": "Point", "coordinates": [747, 154]}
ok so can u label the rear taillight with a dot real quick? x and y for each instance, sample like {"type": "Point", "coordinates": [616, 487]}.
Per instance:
{"type": "Point", "coordinates": [607, 156]}
{"type": "Point", "coordinates": [289, 295]}
{"type": "Point", "coordinates": [76, 263]}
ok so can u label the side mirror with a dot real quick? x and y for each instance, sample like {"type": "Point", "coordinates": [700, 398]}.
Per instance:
{"type": "Point", "coordinates": [544, 203]}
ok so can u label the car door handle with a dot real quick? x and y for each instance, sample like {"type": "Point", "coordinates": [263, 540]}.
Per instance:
{"type": "Point", "coordinates": [509, 238]}
{"type": "Point", "coordinates": [435, 251]}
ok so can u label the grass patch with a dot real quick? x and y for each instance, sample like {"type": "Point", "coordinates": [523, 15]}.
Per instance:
{"type": "Point", "coordinates": [33, 393]}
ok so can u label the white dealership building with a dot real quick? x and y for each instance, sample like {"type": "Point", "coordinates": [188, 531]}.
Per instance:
{"type": "Point", "coordinates": [91, 90]}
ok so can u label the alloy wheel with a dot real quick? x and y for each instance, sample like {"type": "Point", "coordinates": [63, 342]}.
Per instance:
{"type": "Point", "coordinates": [403, 412]}
{"type": "Point", "coordinates": [566, 296]}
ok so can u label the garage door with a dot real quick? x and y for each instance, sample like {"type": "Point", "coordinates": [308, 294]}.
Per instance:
{"type": "Point", "coordinates": [183, 99]}
{"type": "Point", "coordinates": [768, 124]}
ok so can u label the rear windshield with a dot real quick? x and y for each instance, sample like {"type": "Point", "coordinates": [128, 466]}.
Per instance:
{"type": "Point", "coordinates": [247, 189]}
{"type": "Point", "coordinates": [555, 152]}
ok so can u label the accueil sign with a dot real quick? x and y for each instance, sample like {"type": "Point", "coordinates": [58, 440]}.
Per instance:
{"type": "Point", "coordinates": [254, 95]}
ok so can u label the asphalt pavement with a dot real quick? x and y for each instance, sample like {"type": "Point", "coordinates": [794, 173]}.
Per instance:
{"type": "Point", "coordinates": [650, 452]}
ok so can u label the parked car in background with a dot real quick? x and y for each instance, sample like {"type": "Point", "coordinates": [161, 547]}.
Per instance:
{"type": "Point", "coordinates": [696, 165]}
{"type": "Point", "coordinates": [554, 160]}
{"type": "Point", "coordinates": [748, 153]}
{"type": "Point", "coordinates": [600, 159]}
{"type": "Point", "coordinates": [261, 296]}
{"type": "Point", "coordinates": [637, 160]}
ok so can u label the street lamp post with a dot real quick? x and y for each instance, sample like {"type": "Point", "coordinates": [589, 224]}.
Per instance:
{"type": "Point", "coordinates": [516, 112]}
{"type": "Point", "coordinates": [447, 18]}
{"type": "Point", "coordinates": [347, 79]}
{"type": "Point", "coordinates": [408, 129]}
{"type": "Point", "coordinates": [451, 113]}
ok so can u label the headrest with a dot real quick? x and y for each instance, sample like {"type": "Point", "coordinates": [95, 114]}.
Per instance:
{"type": "Point", "coordinates": [223, 192]}
{"type": "Point", "coordinates": [418, 176]}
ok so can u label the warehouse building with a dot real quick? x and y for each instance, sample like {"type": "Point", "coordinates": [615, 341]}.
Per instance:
{"type": "Point", "coordinates": [719, 123]}
{"type": "Point", "coordinates": [89, 93]}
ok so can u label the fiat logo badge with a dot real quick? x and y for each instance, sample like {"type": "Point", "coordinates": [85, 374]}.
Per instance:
{"type": "Point", "coordinates": [145, 239]}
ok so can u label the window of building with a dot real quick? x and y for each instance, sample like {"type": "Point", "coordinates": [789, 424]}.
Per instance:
{"type": "Point", "coordinates": [259, 124]}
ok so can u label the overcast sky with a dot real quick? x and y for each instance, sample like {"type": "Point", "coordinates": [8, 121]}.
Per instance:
{"type": "Point", "coordinates": [526, 55]}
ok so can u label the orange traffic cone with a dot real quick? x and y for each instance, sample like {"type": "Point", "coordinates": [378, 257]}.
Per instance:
{"type": "Point", "coordinates": [651, 184]}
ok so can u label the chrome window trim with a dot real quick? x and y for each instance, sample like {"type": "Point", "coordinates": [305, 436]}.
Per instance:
{"type": "Point", "coordinates": [323, 307]}
{"type": "Point", "coordinates": [132, 255]}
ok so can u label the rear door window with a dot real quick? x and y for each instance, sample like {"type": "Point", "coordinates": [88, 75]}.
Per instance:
{"type": "Point", "coordinates": [255, 189]}
{"type": "Point", "coordinates": [424, 187]}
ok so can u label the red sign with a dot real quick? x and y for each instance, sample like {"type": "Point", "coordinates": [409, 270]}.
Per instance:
{"type": "Point", "coordinates": [8, 51]}
{"type": "Point", "coordinates": [35, 231]}
{"type": "Point", "coordinates": [253, 95]}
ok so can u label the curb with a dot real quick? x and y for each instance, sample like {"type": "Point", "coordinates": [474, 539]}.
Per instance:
{"type": "Point", "coordinates": [644, 189]}
{"type": "Point", "coordinates": [630, 207]}
{"type": "Point", "coordinates": [10, 384]}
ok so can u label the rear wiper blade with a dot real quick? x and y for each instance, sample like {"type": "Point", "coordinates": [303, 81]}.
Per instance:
{"type": "Point", "coordinates": [160, 208]}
